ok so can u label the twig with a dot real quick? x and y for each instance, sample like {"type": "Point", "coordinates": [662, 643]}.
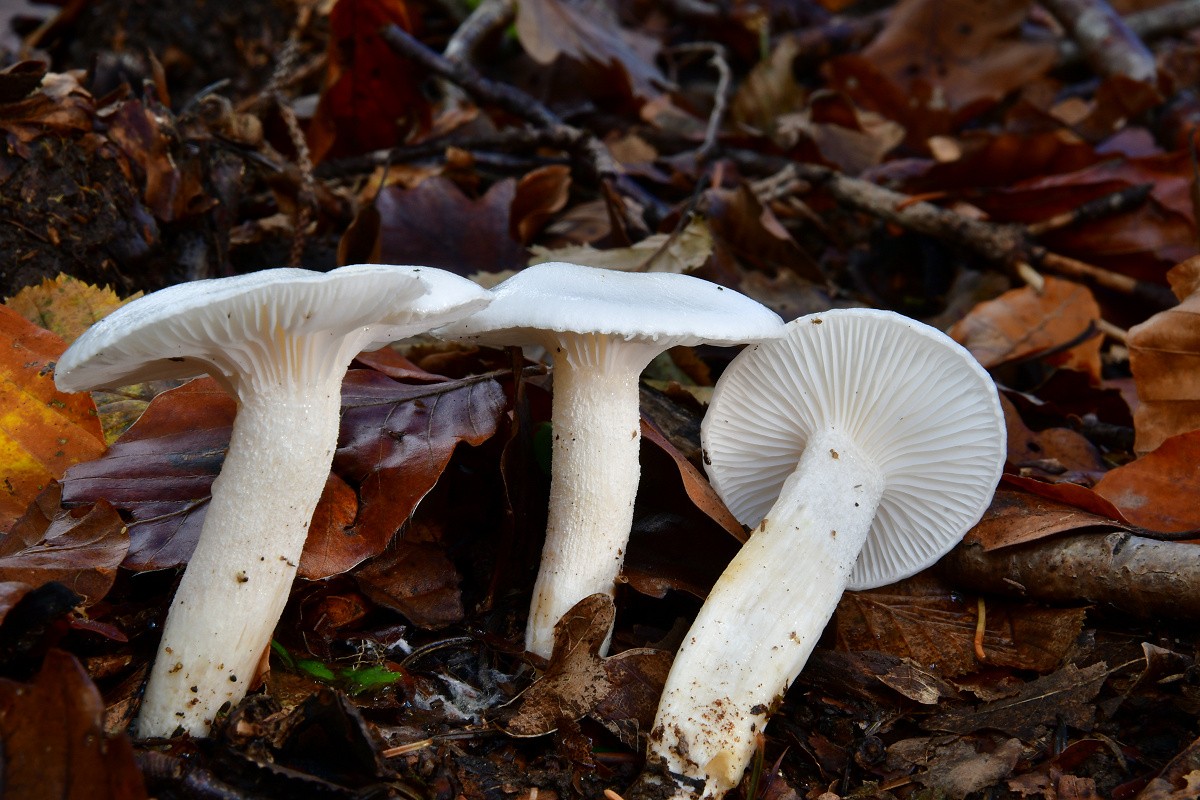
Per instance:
{"type": "Point", "coordinates": [1004, 244]}
{"type": "Point", "coordinates": [1115, 203]}
{"type": "Point", "coordinates": [1107, 43]}
{"type": "Point", "coordinates": [488, 17]}
{"type": "Point", "coordinates": [1154, 23]}
{"type": "Point", "coordinates": [720, 96]}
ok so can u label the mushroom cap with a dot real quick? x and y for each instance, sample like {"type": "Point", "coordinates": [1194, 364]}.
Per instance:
{"type": "Point", "coordinates": [225, 325]}
{"type": "Point", "coordinates": [913, 400]}
{"type": "Point", "coordinates": [664, 308]}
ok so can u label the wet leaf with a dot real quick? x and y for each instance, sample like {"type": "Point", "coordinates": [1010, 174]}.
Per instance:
{"type": "Point", "coordinates": [65, 306]}
{"type": "Point", "coordinates": [417, 580]}
{"type": "Point", "coordinates": [436, 224]}
{"type": "Point", "coordinates": [1057, 323]}
{"type": "Point", "coordinates": [42, 430]}
{"type": "Point", "coordinates": [53, 738]}
{"type": "Point", "coordinates": [924, 621]}
{"type": "Point", "coordinates": [1157, 491]}
{"type": "Point", "coordinates": [79, 550]}
{"type": "Point", "coordinates": [1061, 698]}
{"type": "Point", "coordinates": [372, 98]}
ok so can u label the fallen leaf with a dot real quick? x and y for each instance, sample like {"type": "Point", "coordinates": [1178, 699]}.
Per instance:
{"type": "Point", "coordinates": [1061, 698]}
{"type": "Point", "coordinates": [588, 32]}
{"type": "Point", "coordinates": [922, 620]}
{"type": "Point", "coordinates": [1053, 453]}
{"type": "Point", "coordinates": [79, 550]}
{"type": "Point", "coordinates": [540, 195]}
{"type": "Point", "coordinates": [42, 430]}
{"type": "Point", "coordinates": [372, 97]}
{"type": "Point", "coordinates": [1057, 323]}
{"type": "Point", "coordinates": [416, 580]}
{"type": "Point", "coordinates": [65, 306]}
{"type": "Point", "coordinates": [1019, 517]}
{"type": "Point", "coordinates": [954, 766]}
{"type": "Point", "coordinates": [1179, 780]}
{"type": "Point", "coordinates": [695, 484]}
{"type": "Point", "coordinates": [684, 251]}
{"type": "Point", "coordinates": [437, 225]}
{"type": "Point", "coordinates": [1164, 356]}
{"type": "Point", "coordinates": [397, 438]}
{"type": "Point", "coordinates": [53, 738]}
{"type": "Point", "coordinates": [1157, 491]}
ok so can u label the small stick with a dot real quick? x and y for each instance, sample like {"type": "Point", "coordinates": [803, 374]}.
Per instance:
{"type": "Point", "coordinates": [1106, 42]}
{"type": "Point", "coordinates": [980, 628]}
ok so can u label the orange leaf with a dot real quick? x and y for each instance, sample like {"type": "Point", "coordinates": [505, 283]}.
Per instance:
{"type": "Point", "coordinates": [42, 430]}
{"type": "Point", "coordinates": [1025, 323]}
{"type": "Point", "coordinates": [1158, 491]}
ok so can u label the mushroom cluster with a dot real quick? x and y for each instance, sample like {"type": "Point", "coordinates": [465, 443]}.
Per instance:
{"type": "Point", "coordinates": [861, 446]}
{"type": "Point", "coordinates": [280, 342]}
{"type": "Point", "coordinates": [602, 328]}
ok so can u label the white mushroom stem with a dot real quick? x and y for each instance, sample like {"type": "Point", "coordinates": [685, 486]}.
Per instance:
{"type": "Point", "coordinates": [763, 617]}
{"type": "Point", "coordinates": [254, 531]}
{"type": "Point", "coordinates": [595, 470]}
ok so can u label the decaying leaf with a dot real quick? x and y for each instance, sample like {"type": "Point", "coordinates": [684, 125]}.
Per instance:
{"type": "Point", "coordinates": [53, 739]}
{"type": "Point", "coordinates": [922, 620]}
{"type": "Point", "coordinates": [42, 430]}
{"type": "Point", "coordinates": [417, 580]}
{"type": "Point", "coordinates": [954, 766]}
{"type": "Point", "coordinates": [1061, 698]}
{"type": "Point", "coordinates": [49, 543]}
{"type": "Point", "coordinates": [1057, 322]}
{"type": "Point", "coordinates": [1016, 518]}
{"type": "Point", "coordinates": [620, 691]}
{"type": "Point", "coordinates": [1157, 491]}
{"type": "Point", "coordinates": [1179, 780]}
{"type": "Point", "coordinates": [683, 251]}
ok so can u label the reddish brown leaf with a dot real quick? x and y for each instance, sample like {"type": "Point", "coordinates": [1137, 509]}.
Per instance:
{"type": "Point", "coordinates": [540, 195]}
{"type": "Point", "coordinates": [925, 621]}
{"type": "Point", "coordinates": [1164, 355]}
{"type": "Point", "coordinates": [81, 551]}
{"type": "Point", "coordinates": [332, 546]}
{"type": "Point", "coordinates": [170, 193]}
{"type": "Point", "coordinates": [1053, 453]}
{"type": "Point", "coordinates": [1070, 493]}
{"type": "Point", "coordinates": [396, 440]}
{"type": "Point", "coordinates": [1025, 323]}
{"type": "Point", "coordinates": [417, 580]}
{"type": "Point", "coordinates": [437, 225]}
{"type": "Point", "coordinates": [53, 738]}
{"type": "Point", "coordinates": [1019, 517]}
{"type": "Point", "coordinates": [745, 229]}
{"type": "Point", "coordinates": [372, 98]}
{"type": "Point", "coordinates": [695, 484]}
{"type": "Point", "coordinates": [1158, 491]}
{"type": "Point", "coordinates": [42, 430]}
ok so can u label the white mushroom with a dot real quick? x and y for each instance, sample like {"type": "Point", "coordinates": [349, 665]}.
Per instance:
{"type": "Point", "coordinates": [861, 446]}
{"type": "Point", "coordinates": [602, 327]}
{"type": "Point", "coordinates": [279, 341]}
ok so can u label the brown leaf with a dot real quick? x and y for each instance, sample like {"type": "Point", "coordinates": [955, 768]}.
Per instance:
{"type": "Point", "coordinates": [79, 550]}
{"type": "Point", "coordinates": [1061, 698]}
{"type": "Point", "coordinates": [1071, 494]}
{"type": "Point", "coordinates": [1179, 780]}
{"type": "Point", "coordinates": [42, 430]}
{"type": "Point", "coordinates": [1052, 452]}
{"type": "Point", "coordinates": [620, 691]}
{"type": "Point", "coordinates": [1018, 517]}
{"type": "Point", "coordinates": [922, 620]}
{"type": "Point", "coordinates": [954, 767]}
{"type": "Point", "coordinates": [588, 32]}
{"type": "Point", "coordinates": [1164, 355]}
{"type": "Point", "coordinates": [745, 229]}
{"type": "Point", "coordinates": [417, 580]}
{"type": "Point", "coordinates": [1157, 491]}
{"type": "Point", "coordinates": [437, 225]}
{"type": "Point", "coordinates": [540, 195]}
{"type": "Point", "coordinates": [332, 546]}
{"type": "Point", "coordinates": [53, 739]}
{"type": "Point", "coordinates": [695, 484]}
{"type": "Point", "coordinates": [372, 98]}
{"type": "Point", "coordinates": [970, 51]}
{"type": "Point", "coordinates": [1024, 323]}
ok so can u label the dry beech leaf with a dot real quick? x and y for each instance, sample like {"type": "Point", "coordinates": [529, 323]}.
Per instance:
{"type": "Point", "coordinates": [1071, 494]}
{"type": "Point", "coordinates": [621, 691]}
{"type": "Point", "coordinates": [1024, 323]}
{"type": "Point", "coordinates": [1051, 452]}
{"type": "Point", "coordinates": [684, 251]}
{"type": "Point", "coordinates": [42, 430]}
{"type": "Point", "coordinates": [1164, 355]}
{"type": "Point", "coordinates": [65, 306]}
{"type": "Point", "coordinates": [1158, 491]}
{"type": "Point", "coordinates": [540, 195]}
{"type": "Point", "coordinates": [1020, 517]}
{"type": "Point", "coordinates": [53, 741]}
{"type": "Point", "coordinates": [1061, 698]}
{"type": "Point", "coordinates": [79, 550]}
{"type": "Point", "coordinates": [923, 620]}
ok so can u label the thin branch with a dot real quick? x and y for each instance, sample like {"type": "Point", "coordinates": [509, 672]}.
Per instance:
{"type": "Point", "coordinates": [1106, 41]}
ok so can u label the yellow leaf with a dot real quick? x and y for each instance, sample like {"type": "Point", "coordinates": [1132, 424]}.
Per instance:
{"type": "Point", "coordinates": [42, 430]}
{"type": "Point", "coordinates": [65, 305]}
